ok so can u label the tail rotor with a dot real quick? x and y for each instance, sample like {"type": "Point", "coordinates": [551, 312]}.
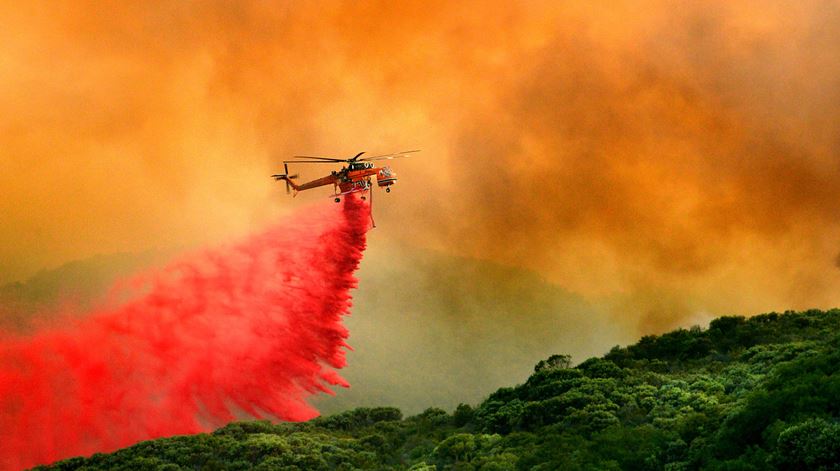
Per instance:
{"type": "Point", "coordinates": [286, 178]}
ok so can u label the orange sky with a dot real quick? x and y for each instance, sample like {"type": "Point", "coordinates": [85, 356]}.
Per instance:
{"type": "Point", "coordinates": [668, 160]}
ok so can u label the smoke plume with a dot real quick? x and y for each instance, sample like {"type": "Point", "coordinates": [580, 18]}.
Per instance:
{"type": "Point", "coordinates": [666, 160]}
{"type": "Point", "coordinates": [247, 330]}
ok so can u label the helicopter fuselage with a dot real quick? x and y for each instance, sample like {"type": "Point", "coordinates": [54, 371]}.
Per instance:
{"type": "Point", "coordinates": [356, 176]}
{"type": "Point", "coordinates": [352, 178]}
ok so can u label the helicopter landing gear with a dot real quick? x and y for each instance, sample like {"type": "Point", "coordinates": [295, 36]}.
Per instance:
{"type": "Point", "coordinates": [387, 189]}
{"type": "Point", "coordinates": [338, 200]}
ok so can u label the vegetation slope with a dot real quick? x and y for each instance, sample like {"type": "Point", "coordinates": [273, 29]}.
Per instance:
{"type": "Point", "coordinates": [744, 394]}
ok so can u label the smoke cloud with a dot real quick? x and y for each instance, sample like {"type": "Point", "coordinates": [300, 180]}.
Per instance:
{"type": "Point", "coordinates": [668, 162]}
{"type": "Point", "coordinates": [251, 329]}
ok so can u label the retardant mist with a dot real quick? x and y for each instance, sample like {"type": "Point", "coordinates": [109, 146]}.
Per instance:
{"type": "Point", "coordinates": [248, 330]}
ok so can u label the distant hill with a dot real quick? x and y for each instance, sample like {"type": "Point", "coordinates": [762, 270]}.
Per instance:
{"type": "Point", "coordinates": [75, 284]}
{"type": "Point", "coordinates": [744, 394]}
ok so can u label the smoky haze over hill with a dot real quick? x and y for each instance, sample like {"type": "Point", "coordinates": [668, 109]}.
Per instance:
{"type": "Point", "coordinates": [72, 288]}
{"type": "Point", "coordinates": [427, 329]}
{"type": "Point", "coordinates": [430, 328]}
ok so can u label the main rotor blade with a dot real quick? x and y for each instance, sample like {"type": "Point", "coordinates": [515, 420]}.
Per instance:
{"type": "Point", "coordinates": [391, 156]}
{"type": "Point", "coordinates": [331, 159]}
{"type": "Point", "coordinates": [312, 161]}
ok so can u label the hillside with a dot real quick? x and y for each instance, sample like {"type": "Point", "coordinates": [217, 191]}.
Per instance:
{"type": "Point", "coordinates": [744, 394]}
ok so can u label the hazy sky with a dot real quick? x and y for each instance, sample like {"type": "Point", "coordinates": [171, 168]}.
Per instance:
{"type": "Point", "coordinates": [667, 160]}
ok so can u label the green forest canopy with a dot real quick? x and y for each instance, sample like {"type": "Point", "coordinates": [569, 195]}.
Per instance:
{"type": "Point", "coordinates": [744, 394]}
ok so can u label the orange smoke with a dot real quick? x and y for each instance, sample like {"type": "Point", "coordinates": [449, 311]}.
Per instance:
{"type": "Point", "coordinates": [668, 161]}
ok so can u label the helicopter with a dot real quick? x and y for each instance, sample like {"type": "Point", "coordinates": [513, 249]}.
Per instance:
{"type": "Point", "coordinates": [355, 176]}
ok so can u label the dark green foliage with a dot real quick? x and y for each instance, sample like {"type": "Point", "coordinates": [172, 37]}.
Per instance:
{"type": "Point", "coordinates": [554, 362]}
{"type": "Point", "coordinates": [358, 418]}
{"type": "Point", "coordinates": [463, 415]}
{"type": "Point", "coordinates": [600, 368]}
{"type": "Point", "coordinates": [806, 387]}
{"type": "Point", "coordinates": [813, 444]}
{"type": "Point", "coordinates": [745, 394]}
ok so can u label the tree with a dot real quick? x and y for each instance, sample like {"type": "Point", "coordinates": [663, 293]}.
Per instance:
{"type": "Point", "coordinates": [554, 362]}
{"type": "Point", "coordinates": [813, 444]}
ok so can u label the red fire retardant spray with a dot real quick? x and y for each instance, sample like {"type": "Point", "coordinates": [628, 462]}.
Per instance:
{"type": "Point", "coordinates": [247, 330]}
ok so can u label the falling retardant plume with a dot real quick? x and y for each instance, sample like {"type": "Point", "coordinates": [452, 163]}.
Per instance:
{"type": "Point", "coordinates": [252, 329]}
